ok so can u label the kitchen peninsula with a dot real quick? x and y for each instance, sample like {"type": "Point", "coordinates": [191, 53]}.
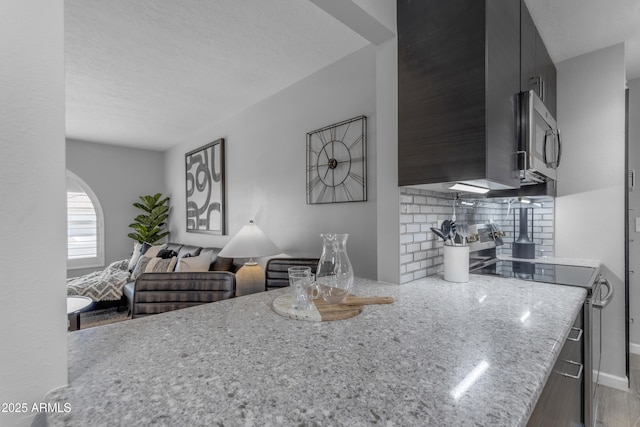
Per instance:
{"type": "Point", "coordinates": [477, 353]}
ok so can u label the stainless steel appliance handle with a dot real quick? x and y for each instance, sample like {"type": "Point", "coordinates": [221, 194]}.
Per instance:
{"type": "Point", "coordinates": [602, 303]}
{"type": "Point", "coordinates": [544, 149]}
{"type": "Point", "coordinates": [556, 137]}
{"type": "Point", "coordinates": [559, 148]}
{"type": "Point", "coordinates": [576, 376]}
{"type": "Point", "coordinates": [580, 332]}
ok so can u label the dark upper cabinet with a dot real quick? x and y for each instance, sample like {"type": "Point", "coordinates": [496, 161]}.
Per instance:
{"type": "Point", "coordinates": [458, 77]}
{"type": "Point", "coordinates": [537, 69]}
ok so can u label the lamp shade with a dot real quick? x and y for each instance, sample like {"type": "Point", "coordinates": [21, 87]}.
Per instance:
{"type": "Point", "coordinates": [249, 242]}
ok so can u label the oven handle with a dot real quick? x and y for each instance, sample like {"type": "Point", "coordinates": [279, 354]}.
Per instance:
{"type": "Point", "coordinates": [602, 303]}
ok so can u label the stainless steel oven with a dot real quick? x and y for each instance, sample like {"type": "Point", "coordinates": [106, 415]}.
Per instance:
{"type": "Point", "coordinates": [599, 293]}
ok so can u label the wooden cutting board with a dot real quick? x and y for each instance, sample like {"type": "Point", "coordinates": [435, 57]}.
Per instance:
{"type": "Point", "coordinates": [323, 312]}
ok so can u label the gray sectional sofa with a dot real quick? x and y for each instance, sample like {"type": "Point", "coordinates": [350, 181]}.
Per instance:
{"type": "Point", "coordinates": [157, 292]}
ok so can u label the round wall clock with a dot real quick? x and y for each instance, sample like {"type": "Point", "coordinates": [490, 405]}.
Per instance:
{"type": "Point", "coordinates": [337, 163]}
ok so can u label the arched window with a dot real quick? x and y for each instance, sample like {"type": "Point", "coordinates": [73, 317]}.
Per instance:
{"type": "Point", "coordinates": [85, 225]}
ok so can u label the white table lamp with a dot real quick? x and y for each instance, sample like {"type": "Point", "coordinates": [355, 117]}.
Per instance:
{"type": "Point", "coordinates": [250, 242]}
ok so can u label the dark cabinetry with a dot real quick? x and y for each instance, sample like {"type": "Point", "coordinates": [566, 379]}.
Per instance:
{"type": "Point", "coordinates": [538, 72]}
{"type": "Point", "coordinates": [458, 77]}
{"type": "Point", "coordinates": [561, 402]}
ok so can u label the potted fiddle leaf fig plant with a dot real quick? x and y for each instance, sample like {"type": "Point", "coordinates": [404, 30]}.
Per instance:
{"type": "Point", "coordinates": [149, 227]}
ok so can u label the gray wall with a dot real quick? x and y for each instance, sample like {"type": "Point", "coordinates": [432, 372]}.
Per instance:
{"type": "Point", "coordinates": [117, 175]}
{"type": "Point", "coordinates": [634, 205]}
{"type": "Point", "coordinates": [591, 183]}
{"type": "Point", "coordinates": [33, 359]}
{"type": "Point", "coordinates": [266, 165]}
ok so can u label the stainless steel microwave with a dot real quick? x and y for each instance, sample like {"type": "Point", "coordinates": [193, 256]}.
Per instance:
{"type": "Point", "coordinates": [539, 143]}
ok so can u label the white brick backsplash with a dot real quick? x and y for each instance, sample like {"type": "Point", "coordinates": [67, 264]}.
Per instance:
{"type": "Point", "coordinates": [424, 246]}
{"type": "Point", "coordinates": [419, 256]}
{"type": "Point", "coordinates": [404, 219]}
{"type": "Point", "coordinates": [413, 266]}
{"type": "Point", "coordinates": [419, 274]}
{"type": "Point", "coordinates": [406, 278]}
{"type": "Point", "coordinates": [406, 238]}
{"type": "Point", "coordinates": [406, 199]}
{"type": "Point", "coordinates": [422, 252]}
{"type": "Point", "coordinates": [413, 228]}
{"type": "Point", "coordinates": [420, 200]}
{"type": "Point", "coordinates": [420, 237]}
{"type": "Point", "coordinates": [413, 248]}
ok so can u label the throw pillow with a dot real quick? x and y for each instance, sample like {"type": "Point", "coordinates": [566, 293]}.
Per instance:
{"type": "Point", "coordinates": [160, 265]}
{"type": "Point", "coordinates": [153, 265]}
{"type": "Point", "coordinates": [140, 267]}
{"type": "Point", "coordinates": [150, 250]}
{"type": "Point", "coordinates": [194, 263]}
{"type": "Point", "coordinates": [223, 264]}
{"type": "Point", "coordinates": [167, 253]}
{"type": "Point", "coordinates": [135, 255]}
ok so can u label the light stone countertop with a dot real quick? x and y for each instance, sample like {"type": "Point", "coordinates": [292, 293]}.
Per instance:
{"type": "Point", "coordinates": [238, 363]}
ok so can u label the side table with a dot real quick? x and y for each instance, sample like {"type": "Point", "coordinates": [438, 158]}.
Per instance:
{"type": "Point", "coordinates": [76, 304]}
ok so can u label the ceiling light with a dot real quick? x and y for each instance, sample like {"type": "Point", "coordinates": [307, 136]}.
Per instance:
{"type": "Point", "coordinates": [470, 188]}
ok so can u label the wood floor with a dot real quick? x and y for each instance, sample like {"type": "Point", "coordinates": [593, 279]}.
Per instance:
{"type": "Point", "coordinates": [618, 408]}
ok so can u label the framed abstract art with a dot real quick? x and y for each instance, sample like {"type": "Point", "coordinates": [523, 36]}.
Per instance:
{"type": "Point", "coordinates": [206, 189]}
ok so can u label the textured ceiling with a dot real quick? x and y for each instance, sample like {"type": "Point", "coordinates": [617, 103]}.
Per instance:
{"type": "Point", "coordinates": [147, 73]}
{"type": "Point", "coordinates": [574, 27]}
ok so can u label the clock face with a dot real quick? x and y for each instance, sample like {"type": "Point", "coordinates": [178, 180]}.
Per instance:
{"type": "Point", "coordinates": [337, 163]}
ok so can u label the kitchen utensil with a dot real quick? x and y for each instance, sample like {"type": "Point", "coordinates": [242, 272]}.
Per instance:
{"type": "Point", "coordinates": [439, 233]}
{"type": "Point", "coordinates": [446, 229]}
{"type": "Point", "coordinates": [464, 232]}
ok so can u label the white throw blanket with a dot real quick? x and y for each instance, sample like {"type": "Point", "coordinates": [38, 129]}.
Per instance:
{"type": "Point", "coordinates": [105, 285]}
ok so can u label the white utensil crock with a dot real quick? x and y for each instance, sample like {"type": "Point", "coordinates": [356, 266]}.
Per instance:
{"type": "Point", "coordinates": [456, 263]}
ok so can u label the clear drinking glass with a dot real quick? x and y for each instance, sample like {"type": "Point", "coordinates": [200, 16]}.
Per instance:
{"type": "Point", "coordinates": [300, 279]}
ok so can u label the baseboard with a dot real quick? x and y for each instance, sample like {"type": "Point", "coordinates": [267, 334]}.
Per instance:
{"type": "Point", "coordinates": [619, 383]}
{"type": "Point", "coordinates": [634, 348]}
